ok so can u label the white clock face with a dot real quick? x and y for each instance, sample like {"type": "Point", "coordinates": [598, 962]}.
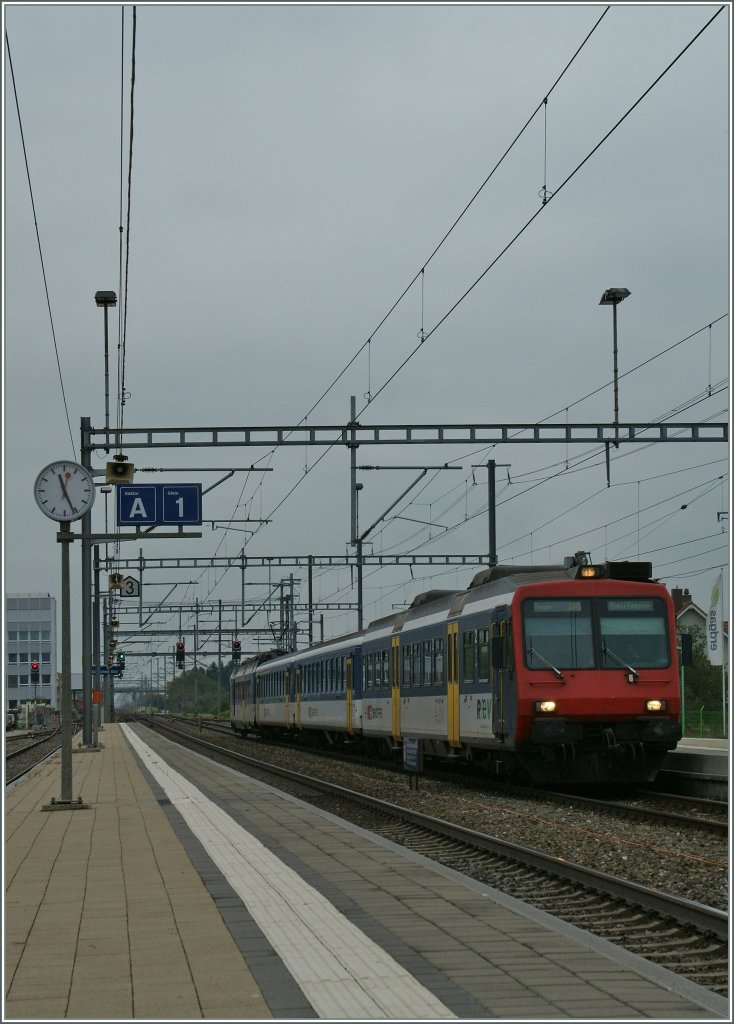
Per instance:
{"type": "Point", "coordinates": [64, 491]}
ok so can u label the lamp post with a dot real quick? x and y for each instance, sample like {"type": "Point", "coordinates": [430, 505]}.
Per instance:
{"type": "Point", "coordinates": [612, 297]}
{"type": "Point", "coordinates": [106, 299]}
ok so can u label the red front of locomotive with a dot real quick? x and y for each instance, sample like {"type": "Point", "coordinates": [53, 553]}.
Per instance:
{"type": "Point", "coordinates": [597, 679]}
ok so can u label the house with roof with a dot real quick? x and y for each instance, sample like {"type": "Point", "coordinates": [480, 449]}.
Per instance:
{"type": "Point", "coordinates": [688, 615]}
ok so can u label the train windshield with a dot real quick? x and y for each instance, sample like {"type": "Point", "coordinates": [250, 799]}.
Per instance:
{"type": "Point", "coordinates": [558, 633]}
{"type": "Point", "coordinates": [578, 633]}
{"type": "Point", "coordinates": [634, 629]}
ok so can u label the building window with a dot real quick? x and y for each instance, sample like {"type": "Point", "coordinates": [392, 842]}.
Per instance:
{"type": "Point", "coordinates": [12, 681]}
{"type": "Point", "coordinates": [46, 656]}
{"type": "Point", "coordinates": [12, 659]}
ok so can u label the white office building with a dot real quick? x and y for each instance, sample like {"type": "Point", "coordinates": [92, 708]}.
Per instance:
{"type": "Point", "coordinates": [30, 635]}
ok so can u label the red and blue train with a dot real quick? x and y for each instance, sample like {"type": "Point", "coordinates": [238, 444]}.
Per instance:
{"type": "Point", "coordinates": [560, 674]}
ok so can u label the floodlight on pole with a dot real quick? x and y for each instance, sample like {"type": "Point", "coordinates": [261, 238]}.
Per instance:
{"type": "Point", "coordinates": [612, 297]}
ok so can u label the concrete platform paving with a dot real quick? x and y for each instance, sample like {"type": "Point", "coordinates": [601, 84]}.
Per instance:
{"type": "Point", "coordinates": [186, 892]}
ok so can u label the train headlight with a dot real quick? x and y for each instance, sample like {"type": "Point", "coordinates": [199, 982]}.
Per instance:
{"type": "Point", "coordinates": [591, 572]}
{"type": "Point", "coordinates": [545, 707]}
{"type": "Point", "coordinates": [656, 705]}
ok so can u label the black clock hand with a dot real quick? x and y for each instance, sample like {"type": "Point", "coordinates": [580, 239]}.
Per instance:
{"type": "Point", "coordinates": [63, 491]}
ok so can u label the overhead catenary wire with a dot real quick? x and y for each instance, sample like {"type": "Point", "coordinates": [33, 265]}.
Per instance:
{"type": "Point", "coordinates": [421, 273]}
{"type": "Point", "coordinates": [122, 395]}
{"type": "Point", "coordinates": [530, 220]}
{"type": "Point", "coordinates": [446, 315]}
{"type": "Point", "coordinates": [40, 248]}
{"type": "Point", "coordinates": [372, 397]}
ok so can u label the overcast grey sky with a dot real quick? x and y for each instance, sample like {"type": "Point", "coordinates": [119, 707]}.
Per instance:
{"type": "Point", "coordinates": [293, 169]}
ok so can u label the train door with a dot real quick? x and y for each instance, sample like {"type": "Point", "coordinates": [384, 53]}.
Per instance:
{"type": "Point", "coordinates": [499, 634]}
{"type": "Point", "coordinates": [286, 695]}
{"type": "Point", "coordinates": [348, 684]}
{"type": "Point", "coordinates": [395, 682]}
{"type": "Point", "coordinates": [298, 696]}
{"type": "Point", "coordinates": [452, 684]}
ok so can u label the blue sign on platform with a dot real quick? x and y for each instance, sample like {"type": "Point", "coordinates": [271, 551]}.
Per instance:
{"type": "Point", "coordinates": [137, 506]}
{"type": "Point", "coordinates": [412, 754]}
{"type": "Point", "coordinates": [159, 504]}
{"type": "Point", "coordinates": [181, 503]}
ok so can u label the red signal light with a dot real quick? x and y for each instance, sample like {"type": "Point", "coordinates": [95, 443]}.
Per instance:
{"type": "Point", "coordinates": [34, 666]}
{"type": "Point", "coordinates": [180, 645]}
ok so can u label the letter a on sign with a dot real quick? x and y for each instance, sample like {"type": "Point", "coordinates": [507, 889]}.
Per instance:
{"type": "Point", "coordinates": [137, 509]}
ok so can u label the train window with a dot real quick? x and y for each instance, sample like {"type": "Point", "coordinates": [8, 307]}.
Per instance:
{"type": "Point", "coordinates": [369, 664]}
{"type": "Point", "coordinates": [416, 664]}
{"type": "Point", "coordinates": [342, 677]}
{"type": "Point", "coordinates": [483, 655]}
{"type": "Point", "coordinates": [427, 663]}
{"type": "Point", "coordinates": [468, 656]}
{"type": "Point", "coordinates": [634, 631]}
{"type": "Point", "coordinates": [558, 633]}
{"type": "Point", "coordinates": [407, 667]}
{"type": "Point", "coordinates": [439, 674]}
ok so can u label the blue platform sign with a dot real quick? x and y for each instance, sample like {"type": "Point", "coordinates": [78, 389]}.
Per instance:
{"type": "Point", "coordinates": [159, 504]}
{"type": "Point", "coordinates": [412, 754]}
{"type": "Point", "coordinates": [137, 506]}
{"type": "Point", "coordinates": [181, 503]}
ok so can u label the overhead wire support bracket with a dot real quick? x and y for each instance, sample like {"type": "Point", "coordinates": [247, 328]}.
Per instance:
{"type": "Point", "coordinates": [356, 434]}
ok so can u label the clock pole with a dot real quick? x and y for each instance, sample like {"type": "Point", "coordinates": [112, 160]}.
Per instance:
{"type": "Point", "coordinates": [65, 537]}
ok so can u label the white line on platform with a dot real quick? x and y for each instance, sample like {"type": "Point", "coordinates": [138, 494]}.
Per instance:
{"type": "Point", "coordinates": [341, 971]}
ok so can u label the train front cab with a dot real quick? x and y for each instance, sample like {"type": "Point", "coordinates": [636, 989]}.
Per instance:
{"type": "Point", "coordinates": [597, 679]}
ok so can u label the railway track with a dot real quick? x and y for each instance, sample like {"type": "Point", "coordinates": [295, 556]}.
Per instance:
{"type": "Point", "coordinates": [24, 756]}
{"type": "Point", "coordinates": [687, 937]}
{"type": "Point", "coordinates": [644, 805]}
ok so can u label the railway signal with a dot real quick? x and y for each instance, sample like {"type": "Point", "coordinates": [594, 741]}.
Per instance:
{"type": "Point", "coordinates": [34, 671]}
{"type": "Point", "coordinates": [236, 649]}
{"type": "Point", "coordinates": [121, 661]}
{"type": "Point", "coordinates": [180, 654]}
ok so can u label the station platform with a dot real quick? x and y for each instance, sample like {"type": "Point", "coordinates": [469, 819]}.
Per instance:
{"type": "Point", "coordinates": [697, 767]}
{"type": "Point", "coordinates": [186, 891]}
